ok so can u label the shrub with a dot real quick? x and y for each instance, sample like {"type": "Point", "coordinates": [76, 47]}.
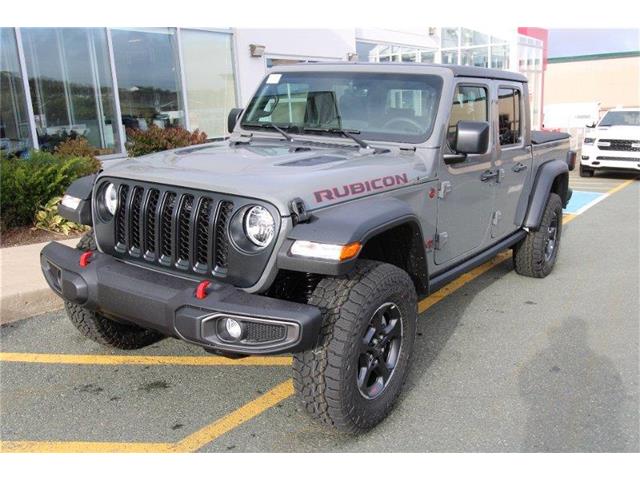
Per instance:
{"type": "Point", "coordinates": [28, 183]}
{"type": "Point", "coordinates": [78, 147]}
{"type": "Point", "coordinates": [156, 139]}
{"type": "Point", "coordinates": [47, 218]}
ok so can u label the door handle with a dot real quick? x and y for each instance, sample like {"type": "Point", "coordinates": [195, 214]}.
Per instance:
{"type": "Point", "coordinates": [488, 175]}
{"type": "Point", "coordinates": [518, 167]}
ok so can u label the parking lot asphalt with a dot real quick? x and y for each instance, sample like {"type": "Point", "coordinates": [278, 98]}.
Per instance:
{"type": "Point", "coordinates": [501, 363]}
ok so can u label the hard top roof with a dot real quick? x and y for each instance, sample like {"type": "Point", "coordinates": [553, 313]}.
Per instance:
{"type": "Point", "coordinates": [457, 70]}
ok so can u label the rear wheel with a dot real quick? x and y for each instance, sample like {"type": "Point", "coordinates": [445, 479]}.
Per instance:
{"type": "Point", "coordinates": [536, 255]}
{"type": "Point", "coordinates": [354, 377]}
{"type": "Point", "coordinates": [586, 171]}
{"type": "Point", "coordinates": [104, 330]}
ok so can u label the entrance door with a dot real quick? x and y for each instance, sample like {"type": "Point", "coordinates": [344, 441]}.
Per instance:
{"type": "Point", "coordinates": [465, 202]}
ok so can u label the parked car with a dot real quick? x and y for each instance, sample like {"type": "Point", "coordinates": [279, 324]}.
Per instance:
{"type": "Point", "coordinates": [345, 193]}
{"type": "Point", "coordinates": [612, 144]}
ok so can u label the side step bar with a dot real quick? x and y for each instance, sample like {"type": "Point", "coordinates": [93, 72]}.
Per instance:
{"type": "Point", "coordinates": [441, 279]}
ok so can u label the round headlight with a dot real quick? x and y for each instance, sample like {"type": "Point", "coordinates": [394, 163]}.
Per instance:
{"type": "Point", "coordinates": [259, 226]}
{"type": "Point", "coordinates": [111, 198]}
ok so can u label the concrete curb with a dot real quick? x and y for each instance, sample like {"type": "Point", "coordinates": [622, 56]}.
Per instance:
{"type": "Point", "coordinates": [24, 292]}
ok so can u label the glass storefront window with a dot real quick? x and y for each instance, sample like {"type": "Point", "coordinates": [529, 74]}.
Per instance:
{"type": "Point", "coordinates": [500, 57]}
{"type": "Point", "coordinates": [146, 62]}
{"type": "Point", "coordinates": [450, 37]}
{"type": "Point", "coordinates": [71, 87]}
{"type": "Point", "coordinates": [14, 122]}
{"type": "Point", "coordinates": [472, 37]}
{"type": "Point", "coordinates": [428, 56]}
{"type": "Point", "coordinates": [476, 57]}
{"type": "Point", "coordinates": [210, 85]}
{"type": "Point", "coordinates": [450, 57]}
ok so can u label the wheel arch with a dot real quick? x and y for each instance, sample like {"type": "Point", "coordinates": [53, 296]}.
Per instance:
{"type": "Point", "coordinates": [551, 177]}
{"type": "Point", "coordinates": [387, 228]}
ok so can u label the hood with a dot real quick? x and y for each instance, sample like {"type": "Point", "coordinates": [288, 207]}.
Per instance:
{"type": "Point", "coordinates": [276, 173]}
{"type": "Point", "coordinates": [618, 132]}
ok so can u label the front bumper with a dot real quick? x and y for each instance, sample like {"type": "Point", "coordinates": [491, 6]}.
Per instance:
{"type": "Point", "coordinates": [595, 158]}
{"type": "Point", "coordinates": [168, 304]}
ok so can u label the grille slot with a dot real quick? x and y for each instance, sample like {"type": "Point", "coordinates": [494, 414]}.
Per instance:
{"type": "Point", "coordinates": [150, 225]}
{"type": "Point", "coordinates": [165, 229]}
{"type": "Point", "coordinates": [202, 232]}
{"type": "Point", "coordinates": [221, 239]}
{"type": "Point", "coordinates": [177, 229]}
{"type": "Point", "coordinates": [136, 207]}
{"type": "Point", "coordinates": [121, 216]}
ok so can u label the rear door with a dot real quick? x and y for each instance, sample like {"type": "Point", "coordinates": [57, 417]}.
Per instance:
{"type": "Point", "coordinates": [465, 201]}
{"type": "Point", "coordinates": [514, 156]}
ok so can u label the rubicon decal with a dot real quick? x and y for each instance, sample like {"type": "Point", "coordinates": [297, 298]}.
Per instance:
{"type": "Point", "coordinates": [357, 188]}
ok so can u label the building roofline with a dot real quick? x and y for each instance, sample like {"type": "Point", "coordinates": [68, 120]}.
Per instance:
{"type": "Point", "coordinates": [595, 56]}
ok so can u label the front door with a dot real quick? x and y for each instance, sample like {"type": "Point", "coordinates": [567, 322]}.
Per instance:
{"type": "Point", "coordinates": [465, 201]}
{"type": "Point", "coordinates": [514, 158]}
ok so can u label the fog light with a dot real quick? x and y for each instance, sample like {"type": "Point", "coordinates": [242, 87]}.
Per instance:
{"type": "Point", "coordinates": [233, 328]}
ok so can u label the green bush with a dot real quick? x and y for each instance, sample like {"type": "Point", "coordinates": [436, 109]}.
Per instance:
{"type": "Point", "coordinates": [47, 218]}
{"type": "Point", "coordinates": [28, 183]}
{"type": "Point", "coordinates": [156, 139]}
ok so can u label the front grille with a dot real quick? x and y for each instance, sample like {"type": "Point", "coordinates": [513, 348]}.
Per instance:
{"type": "Point", "coordinates": [624, 159]}
{"type": "Point", "coordinates": [186, 231]}
{"type": "Point", "coordinates": [264, 332]}
{"type": "Point", "coordinates": [620, 145]}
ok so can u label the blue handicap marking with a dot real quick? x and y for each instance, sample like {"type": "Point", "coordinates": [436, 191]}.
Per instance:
{"type": "Point", "coordinates": [581, 199]}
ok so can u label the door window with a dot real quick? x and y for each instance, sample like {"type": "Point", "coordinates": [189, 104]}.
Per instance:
{"type": "Point", "coordinates": [470, 103]}
{"type": "Point", "coordinates": [509, 116]}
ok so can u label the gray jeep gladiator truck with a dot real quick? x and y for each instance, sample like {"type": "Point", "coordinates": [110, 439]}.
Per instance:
{"type": "Point", "coordinates": [345, 193]}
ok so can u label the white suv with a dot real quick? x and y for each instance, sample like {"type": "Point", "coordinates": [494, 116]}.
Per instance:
{"type": "Point", "coordinates": [614, 144]}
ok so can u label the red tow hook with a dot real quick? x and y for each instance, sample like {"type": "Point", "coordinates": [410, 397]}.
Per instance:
{"type": "Point", "coordinates": [84, 258]}
{"type": "Point", "coordinates": [201, 289]}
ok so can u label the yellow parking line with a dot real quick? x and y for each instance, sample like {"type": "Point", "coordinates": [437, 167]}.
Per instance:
{"type": "Point", "coordinates": [248, 411]}
{"type": "Point", "coordinates": [624, 184]}
{"type": "Point", "coordinates": [84, 447]}
{"type": "Point", "coordinates": [236, 418]}
{"type": "Point", "coordinates": [191, 443]}
{"type": "Point", "coordinates": [141, 359]}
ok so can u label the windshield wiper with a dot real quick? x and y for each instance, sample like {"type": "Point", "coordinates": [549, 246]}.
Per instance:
{"type": "Point", "coordinates": [273, 126]}
{"type": "Point", "coordinates": [346, 133]}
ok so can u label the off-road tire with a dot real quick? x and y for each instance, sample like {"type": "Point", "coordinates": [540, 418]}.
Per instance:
{"type": "Point", "coordinates": [87, 242]}
{"type": "Point", "coordinates": [101, 329]}
{"type": "Point", "coordinates": [586, 171]}
{"type": "Point", "coordinates": [325, 377]}
{"type": "Point", "coordinates": [529, 255]}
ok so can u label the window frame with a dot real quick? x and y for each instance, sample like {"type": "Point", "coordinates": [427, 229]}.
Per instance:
{"type": "Point", "coordinates": [520, 144]}
{"type": "Point", "coordinates": [489, 101]}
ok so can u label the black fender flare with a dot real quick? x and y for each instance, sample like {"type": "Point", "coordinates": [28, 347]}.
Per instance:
{"type": "Point", "coordinates": [80, 188]}
{"type": "Point", "coordinates": [545, 177]}
{"type": "Point", "coordinates": [344, 224]}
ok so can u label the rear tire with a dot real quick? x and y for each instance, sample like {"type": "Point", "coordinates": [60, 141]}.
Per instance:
{"type": "Point", "coordinates": [101, 329]}
{"type": "Point", "coordinates": [536, 255]}
{"type": "Point", "coordinates": [586, 171]}
{"type": "Point", "coordinates": [352, 380]}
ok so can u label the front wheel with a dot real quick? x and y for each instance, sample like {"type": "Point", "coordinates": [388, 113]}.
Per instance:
{"type": "Point", "coordinates": [354, 377]}
{"type": "Point", "coordinates": [536, 255]}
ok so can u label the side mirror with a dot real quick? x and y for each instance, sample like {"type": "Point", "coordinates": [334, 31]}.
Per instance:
{"type": "Point", "coordinates": [472, 137]}
{"type": "Point", "coordinates": [232, 119]}
{"type": "Point", "coordinates": [592, 125]}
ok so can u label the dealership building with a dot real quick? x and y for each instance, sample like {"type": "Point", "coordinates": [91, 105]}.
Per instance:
{"type": "Point", "coordinates": [98, 82]}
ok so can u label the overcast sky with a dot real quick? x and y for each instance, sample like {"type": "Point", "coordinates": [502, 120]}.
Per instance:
{"type": "Point", "coordinates": [565, 42]}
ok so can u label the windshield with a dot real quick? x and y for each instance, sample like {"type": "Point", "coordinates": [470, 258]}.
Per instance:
{"type": "Point", "coordinates": [375, 106]}
{"type": "Point", "coordinates": [630, 118]}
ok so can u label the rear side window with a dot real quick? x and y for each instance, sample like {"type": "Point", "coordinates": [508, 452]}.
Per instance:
{"type": "Point", "coordinates": [509, 116]}
{"type": "Point", "coordinates": [469, 103]}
